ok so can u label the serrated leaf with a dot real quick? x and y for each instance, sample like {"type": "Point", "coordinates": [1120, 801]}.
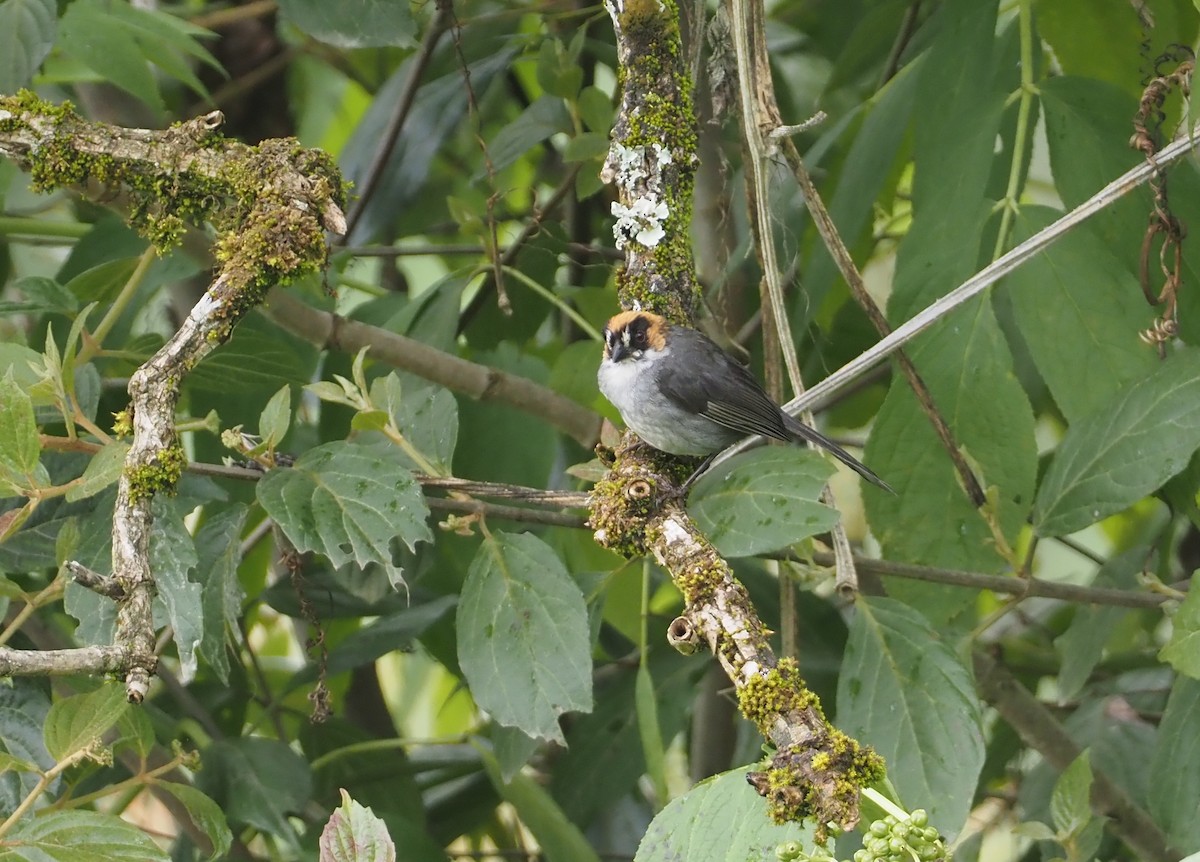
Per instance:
{"type": "Point", "coordinates": [81, 720]}
{"type": "Point", "coordinates": [763, 500]}
{"type": "Point", "coordinates": [1113, 457]}
{"type": "Point", "coordinates": [27, 30]}
{"type": "Point", "coordinates": [104, 469]}
{"type": "Point", "coordinates": [348, 501]}
{"type": "Point", "coordinates": [41, 295]}
{"type": "Point", "coordinates": [23, 710]}
{"type": "Point", "coordinates": [80, 836]}
{"type": "Point", "coordinates": [353, 23]}
{"type": "Point", "coordinates": [523, 640]}
{"type": "Point", "coordinates": [721, 819]}
{"type": "Point", "coordinates": [354, 834]}
{"type": "Point", "coordinates": [1175, 792]}
{"type": "Point", "coordinates": [904, 690]}
{"type": "Point", "coordinates": [20, 446]}
{"type": "Point", "coordinates": [1182, 651]}
{"type": "Point", "coordinates": [205, 813]}
{"type": "Point", "coordinates": [426, 415]}
{"type": "Point", "coordinates": [559, 839]}
{"type": "Point", "coordinates": [1070, 808]}
{"type": "Point", "coordinates": [275, 418]}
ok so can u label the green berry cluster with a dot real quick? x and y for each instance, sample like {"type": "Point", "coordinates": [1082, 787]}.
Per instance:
{"type": "Point", "coordinates": [908, 840]}
{"type": "Point", "coordinates": [891, 839]}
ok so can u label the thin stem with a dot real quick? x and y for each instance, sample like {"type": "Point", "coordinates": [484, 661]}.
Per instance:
{"type": "Point", "coordinates": [133, 782]}
{"type": "Point", "coordinates": [373, 745]}
{"type": "Point", "coordinates": [1010, 204]}
{"type": "Point", "coordinates": [557, 301]}
{"type": "Point", "coordinates": [20, 226]}
{"type": "Point", "coordinates": [119, 305]}
{"type": "Point", "coordinates": [51, 592]}
{"type": "Point", "coordinates": [43, 782]}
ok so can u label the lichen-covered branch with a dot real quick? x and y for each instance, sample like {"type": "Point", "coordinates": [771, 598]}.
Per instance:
{"type": "Point", "coordinates": [270, 205]}
{"type": "Point", "coordinates": [816, 771]}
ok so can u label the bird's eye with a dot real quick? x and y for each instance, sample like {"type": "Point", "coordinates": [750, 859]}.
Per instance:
{"type": "Point", "coordinates": [639, 337]}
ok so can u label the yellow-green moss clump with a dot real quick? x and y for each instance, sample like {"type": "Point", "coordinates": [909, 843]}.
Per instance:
{"type": "Point", "coordinates": [159, 476]}
{"type": "Point", "coordinates": [820, 778]}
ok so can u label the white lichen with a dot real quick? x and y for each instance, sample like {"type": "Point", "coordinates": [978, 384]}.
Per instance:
{"type": "Point", "coordinates": [643, 221]}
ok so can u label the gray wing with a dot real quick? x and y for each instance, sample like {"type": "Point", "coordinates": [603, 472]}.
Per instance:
{"type": "Point", "coordinates": [739, 403]}
{"type": "Point", "coordinates": [742, 405]}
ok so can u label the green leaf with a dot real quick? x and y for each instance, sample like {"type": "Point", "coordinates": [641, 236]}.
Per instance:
{"type": "Point", "coordinates": [1069, 805]}
{"type": "Point", "coordinates": [523, 640]}
{"type": "Point", "coordinates": [221, 594]}
{"type": "Point", "coordinates": [276, 417]}
{"type": "Point", "coordinates": [348, 501]}
{"type": "Point", "coordinates": [204, 813]}
{"type": "Point", "coordinates": [763, 500]}
{"type": "Point", "coordinates": [27, 30]}
{"type": "Point", "coordinates": [965, 359]}
{"type": "Point", "coordinates": [557, 73]}
{"type": "Point", "coordinates": [545, 117]}
{"type": "Point", "coordinates": [427, 416]}
{"type": "Point", "coordinates": [354, 834]}
{"type": "Point", "coordinates": [595, 109]}
{"type": "Point", "coordinates": [1128, 447]}
{"type": "Point", "coordinates": [41, 295]}
{"type": "Point", "coordinates": [258, 782]}
{"type": "Point", "coordinates": [721, 819]}
{"type": "Point", "coordinates": [395, 631]}
{"type": "Point", "coordinates": [80, 836]}
{"type": "Point", "coordinates": [353, 23]}
{"type": "Point", "coordinates": [559, 839]}
{"type": "Point", "coordinates": [604, 759]}
{"type": "Point", "coordinates": [104, 469]}
{"type": "Point", "coordinates": [1182, 651]}
{"type": "Point", "coordinates": [1081, 646]}
{"type": "Point", "coordinates": [904, 690]}
{"type": "Point", "coordinates": [23, 710]}
{"type": "Point", "coordinates": [20, 446]}
{"type": "Point", "coordinates": [102, 282]}
{"type": "Point", "coordinates": [589, 145]}
{"type": "Point", "coordinates": [172, 557]}
{"type": "Point", "coordinates": [119, 42]}
{"type": "Point", "coordinates": [1176, 766]}
{"type": "Point", "coordinates": [16, 359]}
{"type": "Point", "coordinates": [1079, 310]}
{"type": "Point", "coordinates": [79, 721]}
{"type": "Point", "coordinates": [647, 720]}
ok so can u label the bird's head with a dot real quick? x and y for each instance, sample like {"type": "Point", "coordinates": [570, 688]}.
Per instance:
{"type": "Point", "coordinates": [630, 335]}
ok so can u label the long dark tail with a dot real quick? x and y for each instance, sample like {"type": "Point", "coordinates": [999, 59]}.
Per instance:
{"type": "Point", "coordinates": [801, 431]}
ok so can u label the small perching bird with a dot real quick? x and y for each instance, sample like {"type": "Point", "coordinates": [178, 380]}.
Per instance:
{"type": "Point", "coordinates": [684, 395]}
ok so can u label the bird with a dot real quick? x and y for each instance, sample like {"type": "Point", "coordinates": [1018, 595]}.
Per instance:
{"type": "Point", "coordinates": [682, 394]}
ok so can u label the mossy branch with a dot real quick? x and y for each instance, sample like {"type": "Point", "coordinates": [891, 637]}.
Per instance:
{"type": "Point", "coordinates": [270, 206]}
{"type": "Point", "coordinates": [816, 771]}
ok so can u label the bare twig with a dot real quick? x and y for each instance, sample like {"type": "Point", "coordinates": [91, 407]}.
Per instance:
{"type": "Point", "coordinates": [1012, 586]}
